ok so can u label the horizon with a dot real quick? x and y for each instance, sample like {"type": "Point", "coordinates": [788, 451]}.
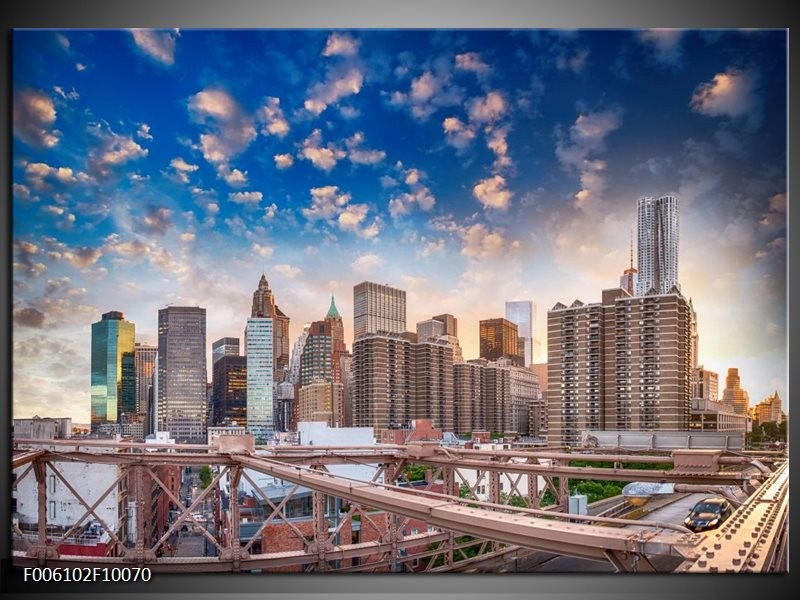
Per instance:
{"type": "Point", "coordinates": [468, 168]}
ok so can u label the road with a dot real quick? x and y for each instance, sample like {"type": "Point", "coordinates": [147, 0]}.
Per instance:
{"type": "Point", "coordinates": [673, 513]}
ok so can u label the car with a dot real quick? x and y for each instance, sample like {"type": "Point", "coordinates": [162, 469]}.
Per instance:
{"type": "Point", "coordinates": [707, 514]}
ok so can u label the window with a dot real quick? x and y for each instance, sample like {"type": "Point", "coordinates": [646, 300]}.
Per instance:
{"type": "Point", "coordinates": [52, 484]}
{"type": "Point", "coordinates": [52, 513]}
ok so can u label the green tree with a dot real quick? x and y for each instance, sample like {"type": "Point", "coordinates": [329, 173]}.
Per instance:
{"type": "Point", "coordinates": [205, 476]}
{"type": "Point", "coordinates": [415, 472]}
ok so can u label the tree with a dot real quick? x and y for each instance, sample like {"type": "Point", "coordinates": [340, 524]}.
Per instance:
{"type": "Point", "coordinates": [205, 476]}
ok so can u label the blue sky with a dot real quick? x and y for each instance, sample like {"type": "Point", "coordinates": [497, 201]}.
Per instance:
{"type": "Point", "coordinates": [466, 167]}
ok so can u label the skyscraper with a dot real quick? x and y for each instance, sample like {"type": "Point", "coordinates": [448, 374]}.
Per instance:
{"type": "Point", "coordinates": [734, 395]}
{"type": "Point", "coordinates": [316, 360]}
{"type": "Point", "coordinates": [227, 346]}
{"type": "Point", "coordinates": [144, 359]}
{"type": "Point", "coordinates": [498, 338]}
{"type": "Point", "coordinates": [182, 372]}
{"type": "Point", "coordinates": [658, 238]}
{"type": "Point", "coordinates": [450, 323]}
{"type": "Point", "coordinates": [520, 312]}
{"type": "Point", "coordinates": [334, 319]}
{"type": "Point", "coordinates": [430, 329]}
{"type": "Point", "coordinates": [259, 336]}
{"type": "Point", "coordinates": [378, 309]}
{"type": "Point", "coordinates": [229, 397]}
{"type": "Point", "coordinates": [113, 378]}
{"type": "Point", "coordinates": [264, 306]}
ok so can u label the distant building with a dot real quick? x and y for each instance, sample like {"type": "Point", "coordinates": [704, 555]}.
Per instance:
{"type": "Point", "coordinates": [658, 245]}
{"type": "Point", "coordinates": [429, 330]}
{"type": "Point", "coordinates": [182, 372]}
{"type": "Point", "coordinates": [450, 324]}
{"type": "Point", "coordinates": [227, 346]}
{"type": "Point", "coordinates": [145, 359]}
{"type": "Point", "coordinates": [734, 395]}
{"type": "Point", "coordinates": [500, 338]}
{"type": "Point", "coordinates": [520, 312]}
{"type": "Point", "coordinates": [264, 307]}
{"type": "Point", "coordinates": [316, 359]}
{"type": "Point", "coordinates": [705, 384]}
{"type": "Point", "coordinates": [113, 374]}
{"type": "Point", "coordinates": [769, 410]}
{"type": "Point", "coordinates": [260, 371]}
{"type": "Point", "coordinates": [336, 324]}
{"type": "Point", "coordinates": [43, 428]}
{"type": "Point", "coordinates": [321, 401]}
{"type": "Point", "coordinates": [378, 309]}
{"type": "Point", "coordinates": [229, 390]}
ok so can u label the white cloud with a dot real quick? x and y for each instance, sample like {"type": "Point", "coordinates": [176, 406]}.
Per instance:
{"type": "Point", "coordinates": [730, 94]}
{"type": "Point", "coordinates": [326, 203]}
{"type": "Point", "coordinates": [158, 45]}
{"type": "Point", "coordinates": [144, 132]}
{"type": "Point", "coordinates": [458, 134]}
{"type": "Point", "coordinates": [340, 44]}
{"type": "Point", "coordinates": [362, 156]}
{"type": "Point", "coordinates": [428, 93]}
{"type": "Point", "coordinates": [271, 117]}
{"type": "Point", "coordinates": [287, 271]}
{"type": "Point", "coordinates": [113, 151]}
{"type": "Point", "coordinates": [34, 117]}
{"type": "Point", "coordinates": [366, 263]}
{"type": "Point", "coordinates": [41, 174]}
{"type": "Point", "coordinates": [322, 157]}
{"type": "Point", "coordinates": [283, 161]}
{"type": "Point", "coordinates": [80, 66]}
{"type": "Point", "coordinates": [338, 85]}
{"type": "Point", "coordinates": [245, 197]}
{"type": "Point", "coordinates": [182, 169]}
{"type": "Point", "coordinates": [20, 190]}
{"type": "Point", "coordinates": [231, 129]}
{"type": "Point", "coordinates": [496, 140]}
{"type": "Point", "coordinates": [188, 236]}
{"type": "Point", "coordinates": [492, 192]}
{"type": "Point", "coordinates": [264, 251]}
{"type": "Point", "coordinates": [71, 95]}
{"type": "Point", "coordinates": [487, 109]}
{"type": "Point", "coordinates": [471, 61]}
{"type": "Point", "coordinates": [480, 242]}
{"type": "Point", "coordinates": [431, 248]}
{"type": "Point", "coordinates": [236, 178]}
{"type": "Point", "coordinates": [419, 194]}
{"type": "Point", "coordinates": [665, 44]}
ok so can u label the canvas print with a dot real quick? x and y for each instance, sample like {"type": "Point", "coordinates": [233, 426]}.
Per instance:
{"type": "Point", "coordinates": [398, 301]}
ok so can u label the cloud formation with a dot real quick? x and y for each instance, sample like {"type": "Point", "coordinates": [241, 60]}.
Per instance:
{"type": "Point", "coordinates": [34, 116]}
{"type": "Point", "coordinates": [493, 192]}
{"type": "Point", "coordinates": [664, 44]}
{"type": "Point", "coordinates": [322, 157]}
{"type": "Point", "coordinates": [730, 94]}
{"type": "Point", "coordinates": [338, 85]}
{"type": "Point", "coordinates": [156, 45]}
{"type": "Point", "coordinates": [340, 44]}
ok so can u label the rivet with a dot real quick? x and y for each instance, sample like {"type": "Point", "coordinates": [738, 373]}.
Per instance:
{"type": "Point", "coordinates": [717, 546]}
{"type": "Point", "coordinates": [737, 561]}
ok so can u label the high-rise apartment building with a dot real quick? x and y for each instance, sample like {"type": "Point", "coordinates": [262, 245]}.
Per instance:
{"type": "Point", "coordinates": [734, 395]}
{"type": "Point", "coordinates": [227, 346]}
{"type": "Point", "coordinates": [620, 364]}
{"type": "Point", "coordinates": [145, 357]}
{"type": "Point", "coordinates": [432, 381]}
{"type": "Point", "coordinates": [264, 306]}
{"type": "Point", "coordinates": [378, 309]}
{"type": "Point", "coordinates": [658, 242]}
{"type": "Point", "coordinates": [520, 312]}
{"type": "Point", "coordinates": [259, 337]}
{"type": "Point", "coordinates": [182, 372]}
{"type": "Point", "coordinates": [316, 359]}
{"type": "Point", "coordinates": [113, 372]}
{"type": "Point", "coordinates": [500, 338]}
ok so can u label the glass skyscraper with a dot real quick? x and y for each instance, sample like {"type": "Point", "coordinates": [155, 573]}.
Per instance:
{"type": "Point", "coordinates": [182, 372]}
{"type": "Point", "coordinates": [113, 375]}
{"type": "Point", "coordinates": [521, 313]}
{"type": "Point", "coordinates": [260, 360]}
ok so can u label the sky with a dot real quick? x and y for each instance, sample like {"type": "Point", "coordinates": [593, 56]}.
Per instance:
{"type": "Point", "coordinates": [467, 167]}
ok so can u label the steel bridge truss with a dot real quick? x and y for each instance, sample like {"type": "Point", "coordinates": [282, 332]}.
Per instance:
{"type": "Point", "coordinates": [460, 532]}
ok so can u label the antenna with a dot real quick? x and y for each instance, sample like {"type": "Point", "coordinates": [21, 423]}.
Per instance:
{"type": "Point", "coordinates": [631, 248]}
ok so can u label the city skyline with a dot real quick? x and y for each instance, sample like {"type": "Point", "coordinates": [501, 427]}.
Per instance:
{"type": "Point", "coordinates": [468, 168]}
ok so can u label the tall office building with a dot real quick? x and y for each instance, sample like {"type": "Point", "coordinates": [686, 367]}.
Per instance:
{"type": "Point", "coordinates": [520, 312]}
{"type": "Point", "coordinates": [500, 338]}
{"type": "Point", "coordinates": [259, 337]}
{"type": "Point", "coordinates": [113, 374]}
{"type": "Point", "coordinates": [705, 384]}
{"type": "Point", "coordinates": [264, 306]}
{"type": "Point", "coordinates": [144, 360]}
{"type": "Point", "coordinates": [336, 323]}
{"type": "Point", "coordinates": [620, 364]}
{"type": "Point", "coordinates": [429, 330]}
{"type": "Point", "coordinates": [227, 346]}
{"type": "Point", "coordinates": [182, 372]}
{"type": "Point", "coordinates": [734, 395]}
{"type": "Point", "coordinates": [658, 242]}
{"type": "Point", "coordinates": [229, 396]}
{"type": "Point", "coordinates": [378, 309]}
{"type": "Point", "coordinates": [450, 324]}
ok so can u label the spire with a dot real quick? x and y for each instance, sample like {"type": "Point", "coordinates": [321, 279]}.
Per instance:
{"type": "Point", "coordinates": [262, 283]}
{"type": "Point", "coordinates": [332, 312]}
{"type": "Point", "coordinates": [631, 267]}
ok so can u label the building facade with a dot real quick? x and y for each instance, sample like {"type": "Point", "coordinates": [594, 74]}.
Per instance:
{"type": "Point", "coordinates": [705, 384]}
{"type": "Point", "coordinates": [378, 309]}
{"type": "Point", "coordinates": [769, 410]}
{"type": "Point", "coordinates": [145, 359]}
{"type": "Point", "coordinates": [227, 346]}
{"type": "Point", "coordinates": [316, 359]}
{"type": "Point", "coordinates": [321, 401]}
{"type": "Point", "coordinates": [181, 371]}
{"type": "Point", "coordinates": [520, 312]}
{"type": "Point", "coordinates": [113, 371]}
{"type": "Point", "coordinates": [432, 381]}
{"type": "Point", "coordinates": [658, 243]}
{"type": "Point", "coordinates": [259, 337]}
{"type": "Point", "coordinates": [500, 338]}
{"type": "Point", "coordinates": [264, 306]}
{"type": "Point", "coordinates": [229, 396]}
{"type": "Point", "coordinates": [620, 364]}
{"type": "Point", "coordinates": [734, 395]}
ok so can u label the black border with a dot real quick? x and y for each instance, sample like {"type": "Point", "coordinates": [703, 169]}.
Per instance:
{"type": "Point", "coordinates": [332, 14]}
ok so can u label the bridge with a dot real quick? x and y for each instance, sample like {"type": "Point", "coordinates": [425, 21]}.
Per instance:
{"type": "Point", "coordinates": [458, 532]}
